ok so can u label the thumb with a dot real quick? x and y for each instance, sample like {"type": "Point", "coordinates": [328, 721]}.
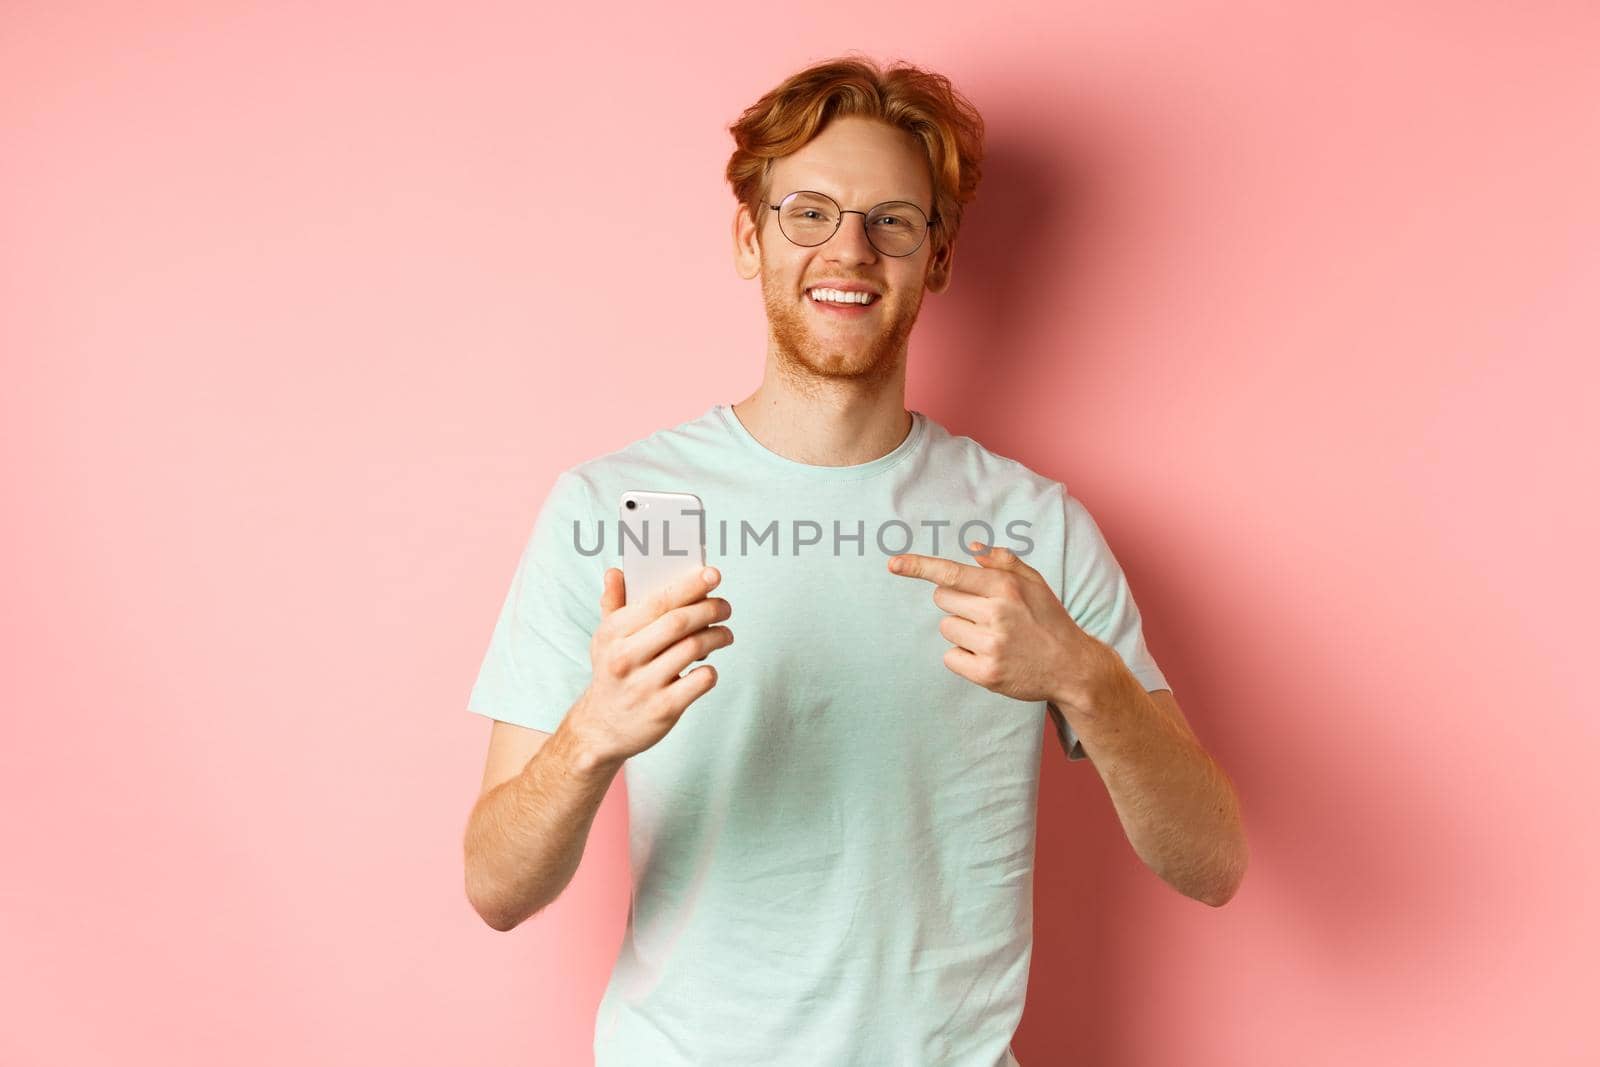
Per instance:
{"type": "Point", "coordinates": [996, 558]}
{"type": "Point", "coordinates": [613, 596]}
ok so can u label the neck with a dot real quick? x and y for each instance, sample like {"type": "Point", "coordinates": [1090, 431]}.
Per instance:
{"type": "Point", "coordinates": [828, 424]}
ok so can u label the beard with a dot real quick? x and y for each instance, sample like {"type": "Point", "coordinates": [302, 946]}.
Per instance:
{"type": "Point", "coordinates": [811, 350]}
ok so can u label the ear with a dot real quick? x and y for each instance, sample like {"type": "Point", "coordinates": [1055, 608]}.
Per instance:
{"type": "Point", "coordinates": [940, 267]}
{"type": "Point", "coordinates": [746, 245]}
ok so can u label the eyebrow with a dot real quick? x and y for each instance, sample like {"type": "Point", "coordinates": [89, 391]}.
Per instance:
{"type": "Point", "coordinates": [840, 199]}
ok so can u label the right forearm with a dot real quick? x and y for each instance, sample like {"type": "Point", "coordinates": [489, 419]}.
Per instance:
{"type": "Point", "coordinates": [525, 836]}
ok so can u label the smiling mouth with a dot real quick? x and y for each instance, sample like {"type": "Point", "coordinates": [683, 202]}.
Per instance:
{"type": "Point", "coordinates": [843, 310]}
{"type": "Point", "coordinates": [842, 298]}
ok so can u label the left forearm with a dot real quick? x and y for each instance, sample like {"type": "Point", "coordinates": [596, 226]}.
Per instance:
{"type": "Point", "coordinates": [1177, 806]}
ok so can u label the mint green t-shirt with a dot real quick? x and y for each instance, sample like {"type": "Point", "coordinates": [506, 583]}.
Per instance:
{"type": "Point", "coordinates": [833, 849]}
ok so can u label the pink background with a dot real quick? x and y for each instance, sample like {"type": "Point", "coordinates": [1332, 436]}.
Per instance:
{"type": "Point", "coordinates": [302, 307]}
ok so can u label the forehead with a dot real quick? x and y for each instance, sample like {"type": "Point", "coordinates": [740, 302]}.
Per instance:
{"type": "Point", "coordinates": [855, 161]}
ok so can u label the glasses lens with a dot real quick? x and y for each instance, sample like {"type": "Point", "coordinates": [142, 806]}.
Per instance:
{"type": "Point", "coordinates": [808, 218]}
{"type": "Point", "coordinates": [897, 229]}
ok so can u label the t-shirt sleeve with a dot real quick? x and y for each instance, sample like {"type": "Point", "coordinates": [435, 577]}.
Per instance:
{"type": "Point", "coordinates": [538, 663]}
{"type": "Point", "coordinates": [1096, 595]}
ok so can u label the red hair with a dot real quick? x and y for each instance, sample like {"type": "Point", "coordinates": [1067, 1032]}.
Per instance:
{"type": "Point", "coordinates": [920, 102]}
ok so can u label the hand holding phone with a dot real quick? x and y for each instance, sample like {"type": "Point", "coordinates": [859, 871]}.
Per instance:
{"type": "Point", "coordinates": [637, 653]}
{"type": "Point", "coordinates": [656, 620]}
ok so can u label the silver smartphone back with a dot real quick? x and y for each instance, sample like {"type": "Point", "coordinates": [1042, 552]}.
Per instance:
{"type": "Point", "coordinates": [660, 538]}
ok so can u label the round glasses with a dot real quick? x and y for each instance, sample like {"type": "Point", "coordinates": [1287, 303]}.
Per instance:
{"type": "Point", "coordinates": [895, 227]}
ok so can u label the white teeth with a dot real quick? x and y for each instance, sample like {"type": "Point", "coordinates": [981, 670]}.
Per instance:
{"type": "Point", "coordinates": [836, 296]}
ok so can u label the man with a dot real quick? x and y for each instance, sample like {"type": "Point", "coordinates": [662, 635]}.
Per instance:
{"type": "Point", "coordinates": [832, 831]}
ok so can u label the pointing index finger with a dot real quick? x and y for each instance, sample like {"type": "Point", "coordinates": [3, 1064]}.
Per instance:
{"type": "Point", "coordinates": [941, 571]}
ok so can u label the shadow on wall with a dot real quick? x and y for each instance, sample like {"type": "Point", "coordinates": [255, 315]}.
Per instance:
{"type": "Point", "coordinates": [1013, 267]}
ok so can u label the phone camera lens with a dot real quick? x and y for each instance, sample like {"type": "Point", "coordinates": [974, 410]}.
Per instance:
{"type": "Point", "coordinates": [631, 504]}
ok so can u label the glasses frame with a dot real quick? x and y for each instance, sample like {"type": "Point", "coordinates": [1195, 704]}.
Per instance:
{"type": "Point", "coordinates": [933, 220]}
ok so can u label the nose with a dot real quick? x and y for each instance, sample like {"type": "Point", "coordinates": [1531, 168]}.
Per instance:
{"type": "Point", "coordinates": [849, 242]}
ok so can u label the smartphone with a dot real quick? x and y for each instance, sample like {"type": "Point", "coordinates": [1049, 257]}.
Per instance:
{"type": "Point", "coordinates": [660, 539]}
